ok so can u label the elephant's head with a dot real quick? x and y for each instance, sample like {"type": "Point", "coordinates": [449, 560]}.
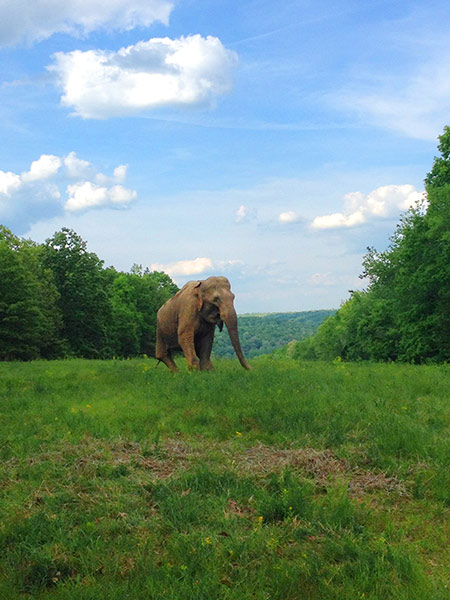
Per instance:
{"type": "Point", "coordinates": [215, 303]}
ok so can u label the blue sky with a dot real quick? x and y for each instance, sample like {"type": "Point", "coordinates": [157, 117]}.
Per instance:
{"type": "Point", "coordinates": [269, 142]}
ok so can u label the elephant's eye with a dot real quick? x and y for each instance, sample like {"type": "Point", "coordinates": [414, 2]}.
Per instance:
{"type": "Point", "coordinates": [217, 300]}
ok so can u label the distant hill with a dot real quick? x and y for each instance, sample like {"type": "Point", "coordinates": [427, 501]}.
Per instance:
{"type": "Point", "coordinates": [262, 333]}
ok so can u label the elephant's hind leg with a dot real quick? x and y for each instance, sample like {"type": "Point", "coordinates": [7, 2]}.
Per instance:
{"type": "Point", "coordinates": [168, 360]}
{"type": "Point", "coordinates": [164, 355]}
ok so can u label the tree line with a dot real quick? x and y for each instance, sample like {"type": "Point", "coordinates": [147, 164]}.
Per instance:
{"type": "Point", "coordinates": [404, 314]}
{"type": "Point", "coordinates": [58, 300]}
{"type": "Point", "coordinates": [264, 333]}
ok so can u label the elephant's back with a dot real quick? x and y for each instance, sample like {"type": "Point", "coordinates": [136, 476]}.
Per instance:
{"type": "Point", "coordinates": [166, 308]}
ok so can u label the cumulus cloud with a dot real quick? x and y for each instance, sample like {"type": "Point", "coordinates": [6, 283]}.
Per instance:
{"type": "Point", "coordinates": [161, 72]}
{"type": "Point", "coordinates": [184, 267]}
{"type": "Point", "coordinates": [384, 202]}
{"type": "Point", "coordinates": [337, 220]}
{"type": "Point", "coordinates": [35, 20]}
{"type": "Point", "coordinates": [196, 266]}
{"type": "Point", "coordinates": [77, 167]}
{"type": "Point", "coordinates": [120, 172]}
{"type": "Point", "coordinates": [56, 184]}
{"type": "Point", "coordinates": [8, 182]}
{"type": "Point", "coordinates": [288, 217]}
{"type": "Point", "coordinates": [43, 168]}
{"type": "Point", "coordinates": [87, 195]}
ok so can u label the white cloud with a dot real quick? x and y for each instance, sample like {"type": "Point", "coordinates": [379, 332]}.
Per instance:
{"type": "Point", "coordinates": [384, 202]}
{"type": "Point", "coordinates": [43, 168]}
{"type": "Point", "coordinates": [119, 176]}
{"type": "Point", "coordinates": [120, 173]}
{"type": "Point", "coordinates": [185, 267]}
{"type": "Point", "coordinates": [35, 20]}
{"type": "Point", "coordinates": [87, 195]}
{"type": "Point", "coordinates": [288, 217]}
{"type": "Point", "coordinates": [158, 73]}
{"type": "Point", "coordinates": [80, 169]}
{"type": "Point", "coordinates": [53, 184]}
{"type": "Point", "coordinates": [77, 167]}
{"type": "Point", "coordinates": [336, 220]}
{"type": "Point", "coordinates": [9, 182]}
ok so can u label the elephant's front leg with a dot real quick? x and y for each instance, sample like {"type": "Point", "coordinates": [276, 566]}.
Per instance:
{"type": "Point", "coordinates": [186, 341]}
{"type": "Point", "coordinates": [203, 346]}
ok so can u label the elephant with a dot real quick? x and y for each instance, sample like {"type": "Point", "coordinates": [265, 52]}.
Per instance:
{"type": "Point", "coordinates": [188, 319]}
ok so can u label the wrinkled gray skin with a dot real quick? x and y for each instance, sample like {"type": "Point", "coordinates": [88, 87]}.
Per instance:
{"type": "Point", "coordinates": [187, 322]}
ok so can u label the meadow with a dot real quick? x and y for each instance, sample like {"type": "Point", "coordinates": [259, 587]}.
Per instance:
{"type": "Point", "coordinates": [297, 480]}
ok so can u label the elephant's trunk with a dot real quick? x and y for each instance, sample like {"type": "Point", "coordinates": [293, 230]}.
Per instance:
{"type": "Point", "coordinates": [230, 319]}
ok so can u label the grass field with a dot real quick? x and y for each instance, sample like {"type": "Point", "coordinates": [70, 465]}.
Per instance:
{"type": "Point", "coordinates": [292, 481]}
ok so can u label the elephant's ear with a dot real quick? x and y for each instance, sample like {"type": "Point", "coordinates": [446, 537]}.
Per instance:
{"type": "Point", "coordinates": [220, 324]}
{"type": "Point", "coordinates": [198, 295]}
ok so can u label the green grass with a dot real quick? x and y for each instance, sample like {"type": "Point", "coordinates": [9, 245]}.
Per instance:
{"type": "Point", "coordinates": [292, 481]}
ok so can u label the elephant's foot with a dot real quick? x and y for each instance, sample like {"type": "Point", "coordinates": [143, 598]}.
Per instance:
{"type": "Point", "coordinates": [169, 362]}
{"type": "Point", "coordinates": [193, 365]}
{"type": "Point", "coordinates": [206, 366]}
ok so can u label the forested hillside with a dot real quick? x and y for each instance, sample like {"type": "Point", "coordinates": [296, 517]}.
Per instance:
{"type": "Point", "coordinates": [404, 314]}
{"type": "Point", "coordinates": [263, 333]}
{"type": "Point", "coordinates": [58, 300]}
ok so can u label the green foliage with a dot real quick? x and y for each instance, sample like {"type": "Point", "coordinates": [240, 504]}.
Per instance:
{"type": "Point", "coordinates": [440, 173]}
{"type": "Point", "coordinates": [135, 300]}
{"type": "Point", "coordinates": [83, 298]}
{"type": "Point", "coordinates": [58, 300]}
{"type": "Point", "coordinates": [297, 480]}
{"type": "Point", "coordinates": [405, 312]}
{"type": "Point", "coordinates": [30, 320]}
{"type": "Point", "coordinates": [264, 333]}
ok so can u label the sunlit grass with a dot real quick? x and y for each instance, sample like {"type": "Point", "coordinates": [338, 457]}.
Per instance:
{"type": "Point", "coordinates": [295, 480]}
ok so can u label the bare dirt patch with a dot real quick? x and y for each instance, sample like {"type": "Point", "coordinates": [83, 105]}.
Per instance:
{"type": "Point", "coordinates": [321, 465]}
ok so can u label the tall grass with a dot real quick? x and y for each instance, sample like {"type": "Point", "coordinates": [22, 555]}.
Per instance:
{"type": "Point", "coordinates": [295, 480]}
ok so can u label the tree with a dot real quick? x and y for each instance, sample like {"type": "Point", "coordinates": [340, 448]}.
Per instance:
{"type": "Point", "coordinates": [83, 301]}
{"type": "Point", "coordinates": [135, 300]}
{"type": "Point", "coordinates": [440, 172]}
{"type": "Point", "coordinates": [126, 318]}
{"type": "Point", "coordinates": [30, 321]}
